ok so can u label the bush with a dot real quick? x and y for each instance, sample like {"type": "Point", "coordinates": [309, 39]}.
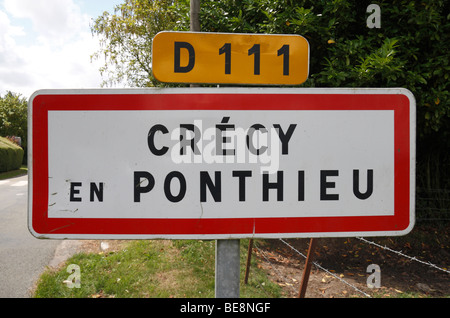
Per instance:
{"type": "Point", "coordinates": [11, 155]}
{"type": "Point", "coordinates": [13, 118]}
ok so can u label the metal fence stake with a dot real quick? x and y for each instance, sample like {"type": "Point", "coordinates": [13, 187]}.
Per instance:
{"type": "Point", "coordinates": [249, 258]}
{"type": "Point", "coordinates": [307, 270]}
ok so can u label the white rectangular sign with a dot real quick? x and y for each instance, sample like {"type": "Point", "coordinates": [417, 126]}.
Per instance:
{"type": "Point", "coordinates": [223, 163]}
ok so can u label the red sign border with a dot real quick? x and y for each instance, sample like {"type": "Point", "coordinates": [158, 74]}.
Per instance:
{"type": "Point", "coordinates": [401, 101]}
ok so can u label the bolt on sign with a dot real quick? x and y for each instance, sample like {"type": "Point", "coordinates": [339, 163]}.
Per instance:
{"type": "Point", "coordinates": [219, 163]}
{"type": "Point", "coordinates": [196, 57]}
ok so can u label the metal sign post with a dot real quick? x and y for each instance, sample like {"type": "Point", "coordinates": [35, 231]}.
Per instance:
{"type": "Point", "coordinates": [227, 268]}
{"type": "Point", "coordinates": [227, 251]}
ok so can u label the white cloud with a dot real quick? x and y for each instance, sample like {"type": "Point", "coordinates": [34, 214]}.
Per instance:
{"type": "Point", "coordinates": [7, 34]}
{"type": "Point", "coordinates": [56, 20]}
{"type": "Point", "coordinates": [8, 55]}
{"type": "Point", "coordinates": [56, 50]}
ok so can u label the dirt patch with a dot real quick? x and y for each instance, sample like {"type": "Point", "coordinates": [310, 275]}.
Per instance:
{"type": "Point", "coordinates": [345, 270]}
{"type": "Point", "coordinates": [102, 246]}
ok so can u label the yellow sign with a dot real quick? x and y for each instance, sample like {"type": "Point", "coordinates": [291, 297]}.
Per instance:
{"type": "Point", "coordinates": [196, 57]}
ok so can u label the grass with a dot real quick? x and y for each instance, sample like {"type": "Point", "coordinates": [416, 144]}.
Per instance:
{"type": "Point", "coordinates": [152, 269]}
{"type": "Point", "coordinates": [14, 173]}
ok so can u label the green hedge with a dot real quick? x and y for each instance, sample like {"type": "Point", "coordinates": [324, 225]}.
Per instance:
{"type": "Point", "coordinates": [11, 155]}
{"type": "Point", "coordinates": [13, 118]}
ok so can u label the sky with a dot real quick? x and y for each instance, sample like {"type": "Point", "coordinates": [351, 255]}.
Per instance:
{"type": "Point", "coordinates": [47, 44]}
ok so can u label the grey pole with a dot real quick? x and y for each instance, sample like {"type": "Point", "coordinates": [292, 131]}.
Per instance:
{"type": "Point", "coordinates": [227, 268]}
{"type": "Point", "coordinates": [227, 251]}
{"type": "Point", "coordinates": [194, 13]}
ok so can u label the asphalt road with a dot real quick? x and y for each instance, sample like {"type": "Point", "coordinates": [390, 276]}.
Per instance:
{"type": "Point", "coordinates": [22, 257]}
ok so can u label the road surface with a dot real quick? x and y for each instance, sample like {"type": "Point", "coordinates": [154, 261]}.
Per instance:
{"type": "Point", "coordinates": [22, 257]}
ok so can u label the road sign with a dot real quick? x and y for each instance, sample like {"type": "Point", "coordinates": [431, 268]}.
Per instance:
{"type": "Point", "coordinates": [196, 57]}
{"type": "Point", "coordinates": [221, 163]}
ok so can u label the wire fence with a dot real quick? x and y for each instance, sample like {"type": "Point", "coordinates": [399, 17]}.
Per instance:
{"type": "Point", "coordinates": [287, 280]}
{"type": "Point", "coordinates": [432, 204]}
{"type": "Point", "coordinates": [326, 270]}
{"type": "Point", "coordinates": [412, 258]}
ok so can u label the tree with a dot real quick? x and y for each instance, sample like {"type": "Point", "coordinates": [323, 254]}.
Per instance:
{"type": "Point", "coordinates": [126, 38]}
